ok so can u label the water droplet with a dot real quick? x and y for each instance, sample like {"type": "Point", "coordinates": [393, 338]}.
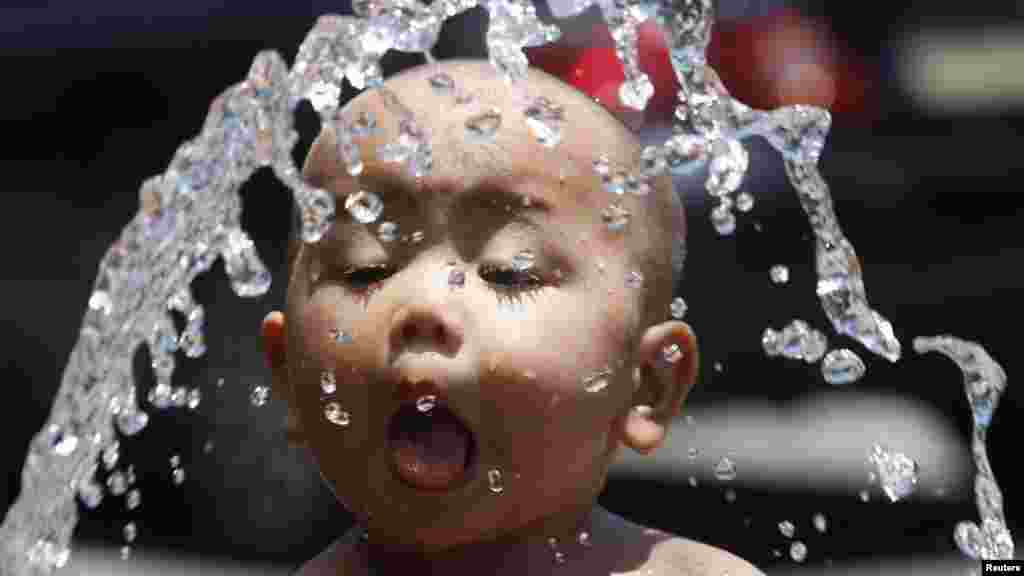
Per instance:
{"type": "Point", "coordinates": [744, 202]}
{"type": "Point", "coordinates": [842, 366]}
{"type": "Point", "coordinates": [193, 398]}
{"type": "Point", "coordinates": [584, 539]}
{"type": "Point", "coordinates": [327, 382]}
{"type": "Point", "coordinates": [387, 232]}
{"type": "Point", "coordinates": [615, 217]}
{"type": "Point", "coordinates": [770, 342]}
{"type": "Point", "coordinates": [64, 444]}
{"type": "Point", "coordinates": [864, 496]}
{"type": "Point", "coordinates": [544, 118]}
{"type": "Point", "coordinates": [220, 382]}
{"type": "Point", "coordinates": [111, 454]}
{"type": "Point", "coordinates": [597, 381]}
{"type": "Point", "coordinates": [179, 397]}
{"type": "Point", "coordinates": [636, 92]}
{"type": "Point", "coordinates": [723, 220]}
{"type": "Point", "coordinates": [260, 395]}
{"type": "Point", "coordinates": [116, 483]}
{"type": "Point", "coordinates": [339, 336]}
{"type": "Point", "coordinates": [364, 125]}
{"type": "Point", "coordinates": [126, 552]}
{"type": "Point", "coordinates": [416, 237]}
{"type": "Point", "coordinates": [496, 484]}
{"type": "Point", "coordinates": [692, 453]}
{"type": "Point", "coordinates": [178, 476]}
{"type": "Point", "coordinates": [725, 470]}
{"type": "Point", "coordinates": [787, 528]}
{"type": "Point", "coordinates": [718, 367]}
{"type": "Point", "coordinates": [90, 493]}
{"type": "Point", "coordinates": [101, 302]}
{"type": "Point", "coordinates": [364, 206]}
{"type": "Point", "coordinates": [672, 353]}
{"type": "Point", "coordinates": [129, 532]}
{"type": "Point", "coordinates": [779, 274]}
{"type": "Point", "coordinates": [324, 95]}
{"type": "Point", "coordinates": [175, 461]}
{"type": "Point", "coordinates": [693, 481]}
{"type": "Point", "coordinates": [615, 183]}
{"type": "Point", "coordinates": [559, 557]}
{"type": "Point", "coordinates": [523, 261]}
{"type": "Point", "coordinates": [897, 472]}
{"type": "Point", "coordinates": [335, 415]}
{"type": "Point", "coordinates": [552, 542]}
{"type": "Point", "coordinates": [426, 403]}
{"type": "Point", "coordinates": [798, 551]}
{"type": "Point", "coordinates": [678, 308]}
{"type": "Point", "coordinates": [208, 447]}
{"type": "Point", "coordinates": [652, 162]}
{"type": "Point", "coordinates": [730, 496]}
{"type": "Point", "coordinates": [482, 127]}
{"type": "Point", "coordinates": [456, 278]}
{"type": "Point", "coordinates": [634, 280]}
{"type": "Point", "coordinates": [442, 83]}
{"type": "Point", "coordinates": [776, 552]}
{"type": "Point", "coordinates": [133, 500]}
{"type": "Point", "coordinates": [820, 522]}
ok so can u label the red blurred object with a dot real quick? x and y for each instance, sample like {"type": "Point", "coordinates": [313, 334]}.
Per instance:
{"type": "Point", "coordinates": [766, 62]}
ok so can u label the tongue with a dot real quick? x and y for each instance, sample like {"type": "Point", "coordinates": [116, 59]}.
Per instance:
{"type": "Point", "coordinates": [430, 450]}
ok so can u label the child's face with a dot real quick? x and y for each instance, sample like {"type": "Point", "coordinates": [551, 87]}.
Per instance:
{"type": "Point", "coordinates": [511, 353]}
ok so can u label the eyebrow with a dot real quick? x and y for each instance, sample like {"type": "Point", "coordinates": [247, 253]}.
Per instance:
{"type": "Point", "coordinates": [522, 196]}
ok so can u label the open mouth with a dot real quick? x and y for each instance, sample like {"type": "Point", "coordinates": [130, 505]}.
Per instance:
{"type": "Point", "coordinates": [431, 450]}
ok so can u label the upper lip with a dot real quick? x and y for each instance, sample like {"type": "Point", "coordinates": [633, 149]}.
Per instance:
{"type": "Point", "coordinates": [409, 386]}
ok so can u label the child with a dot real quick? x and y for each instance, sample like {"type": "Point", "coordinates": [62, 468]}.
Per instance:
{"type": "Point", "coordinates": [465, 385]}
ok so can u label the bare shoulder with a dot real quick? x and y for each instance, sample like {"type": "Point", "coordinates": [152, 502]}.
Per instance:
{"type": "Point", "coordinates": [337, 560]}
{"type": "Point", "coordinates": [688, 557]}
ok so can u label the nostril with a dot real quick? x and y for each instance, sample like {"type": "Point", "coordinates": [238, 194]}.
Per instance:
{"type": "Point", "coordinates": [408, 332]}
{"type": "Point", "coordinates": [441, 334]}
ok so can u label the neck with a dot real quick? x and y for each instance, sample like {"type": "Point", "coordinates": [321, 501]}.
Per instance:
{"type": "Point", "coordinates": [540, 547]}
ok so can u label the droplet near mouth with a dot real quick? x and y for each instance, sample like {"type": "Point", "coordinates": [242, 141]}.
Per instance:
{"type": "Point", "coordinates": [432, 450]}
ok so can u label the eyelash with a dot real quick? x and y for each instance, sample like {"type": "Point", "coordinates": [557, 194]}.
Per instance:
{"type": "Point", "coordinates": [526, 283]}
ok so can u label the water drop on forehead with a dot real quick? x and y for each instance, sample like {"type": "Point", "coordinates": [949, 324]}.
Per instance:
{"type": "Point", "coordinates": [442, 83]}
{"type": "Point", "coordinates": [545, 118]}
{"type": "Point", "coordinates": [483, 126]}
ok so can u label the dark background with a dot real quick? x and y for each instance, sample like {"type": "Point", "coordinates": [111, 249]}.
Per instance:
{"type": "Point", "coordinates": [98, 95]}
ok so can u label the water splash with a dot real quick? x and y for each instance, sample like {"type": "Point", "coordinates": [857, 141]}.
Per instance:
{"type": "Point", "coordinates": [984, 384]}
{"type": "Point", "coordinates": [191, 215]}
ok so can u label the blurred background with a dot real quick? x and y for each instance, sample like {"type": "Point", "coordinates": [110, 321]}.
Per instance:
{"type": "Point", "coordinates": [924, 166]}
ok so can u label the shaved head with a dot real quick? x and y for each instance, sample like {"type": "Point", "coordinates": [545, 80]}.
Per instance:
{"type": "Point", "coordinates": [656, 236]}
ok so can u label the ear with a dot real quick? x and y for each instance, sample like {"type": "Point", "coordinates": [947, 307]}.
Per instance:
{"type": "Point", "coordinates": [666, 375]}
{"type": "Point", "coordinates": [275, 353]}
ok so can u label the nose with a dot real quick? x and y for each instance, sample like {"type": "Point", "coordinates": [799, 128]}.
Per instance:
{"type": "Point", "coordinates": [420, 328]}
